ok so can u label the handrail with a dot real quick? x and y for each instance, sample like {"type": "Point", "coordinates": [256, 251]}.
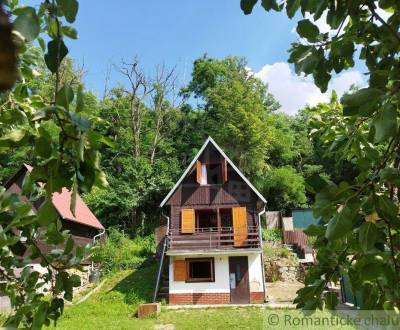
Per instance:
{"type": "Point", "coordinates": [213, 237]}
{"type": "Point", "coordinates": [160, 269]}
{"type": "Point", "coordinates": [165, 247]}
{"type": "Point", "coordinates": [200, 230]}
{"type": "Point", "coordinates": [261, 245]}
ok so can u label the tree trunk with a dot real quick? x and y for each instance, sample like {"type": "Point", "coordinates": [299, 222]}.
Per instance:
{"type": "Point", "coordinates": [156, 138]}
{"type": "Point", "coordinates": [136, 126]}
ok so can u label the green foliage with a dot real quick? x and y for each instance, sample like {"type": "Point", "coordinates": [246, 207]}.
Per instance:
{"type": "Point", "coordinates": [239, 100]}
{"type": "Point", "coordinates": [27, 23]}
{"type": "Point", "coordinates": [265, 145]}
{"type": "Point", "coordinates": [307, 30]}
{"type": "Point", "coordinates": [136, 183]}
{"type": "Point", "coordinates": [120, 252]}
{"type": "Point", "coordinates": [62, 146]}
{"type": "Point", "coordinates": [56, 51]}
{"type": "Point", "coordinates": [113, 304]}
{"type": "Point", "coordinates": [275, 252]}
{"type": "Point", "coordinates": [284, 188]}
{"type": "Point", "coordinates": [359, 236]}
{"type": "Point", "coordinates": [271, 235]}
{"type": "Point", "coordinates": [69, 8]}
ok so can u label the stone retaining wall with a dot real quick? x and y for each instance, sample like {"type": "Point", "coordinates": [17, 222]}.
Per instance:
{"type": "Point", "coordinates": [291, 273]}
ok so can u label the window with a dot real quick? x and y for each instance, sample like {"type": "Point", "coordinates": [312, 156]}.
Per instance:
{"type": "Point", "coordinates": [210, 174]}
{"type": "Point", "coordinates": [214, 173]}
{"type": "Point", "coordinates": [200, 270]}
{"type": "Point", "coordinates": [204, 174]}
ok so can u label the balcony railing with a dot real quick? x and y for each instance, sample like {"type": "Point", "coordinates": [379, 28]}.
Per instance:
{"type": "Point", "coordinates": [213, 238]}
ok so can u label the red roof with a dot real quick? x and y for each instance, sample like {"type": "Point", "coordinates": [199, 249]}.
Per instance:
{"type": "Point", "coordinates": [62, 203]}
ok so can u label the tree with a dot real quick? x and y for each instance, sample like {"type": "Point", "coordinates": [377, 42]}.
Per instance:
{"type": "Point", "coordinates": [64, 148]}
{"type": "Point", "coordinates": [262, 142]}
{"type": "Point", "coordinates": [359, 235]}
{"type": "Point", "coordinates": [162, 99]}
{"type": "Point", "coordinates": [137, 184]}
{"type": "Point", "coordinates": [42, 84]}
{"type": "Point", "coordinates": [139, 89]}
{"type": "Point", "coordinates": [233, 96]}
{"type": "Point", "coordinates": [285, 189]}
{"type": "Point", "coordinates": [335, 168]}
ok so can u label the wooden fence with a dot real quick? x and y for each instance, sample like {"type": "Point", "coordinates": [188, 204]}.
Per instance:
{"type": "Point", "coordinates": [298, 240]}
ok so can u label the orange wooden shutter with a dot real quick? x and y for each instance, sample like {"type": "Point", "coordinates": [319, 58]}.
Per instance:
{"type": "Point", "coordinates": [180, 270]}
{"type": "Point", "coordinates": [198, 172]}
{"type": "Point", "coordinates": [224, 171]}
{"type": "Point", "coordinates": [187, 221]}
{"type": "Point", "coordinates": [239, 216]}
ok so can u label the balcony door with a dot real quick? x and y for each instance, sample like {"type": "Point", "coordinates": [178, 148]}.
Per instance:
{"type": "Point", "coordinates": [239, 216]}
{"type": "Point", "coordinates": [206, 220]}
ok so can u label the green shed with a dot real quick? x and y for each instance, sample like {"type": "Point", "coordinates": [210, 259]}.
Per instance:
{"type": "Point", "coordinates": [302, 218]}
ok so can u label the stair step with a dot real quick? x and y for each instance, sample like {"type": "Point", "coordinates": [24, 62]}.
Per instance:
{"type": "Point", "coordinates": [163, 294]}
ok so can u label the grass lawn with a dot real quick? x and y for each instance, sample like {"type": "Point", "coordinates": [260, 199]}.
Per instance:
{"type": "Point", "coordinates": [114, 306]}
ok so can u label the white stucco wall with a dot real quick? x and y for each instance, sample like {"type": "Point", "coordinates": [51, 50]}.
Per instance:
{"type": "Point", "coordinates": [255, 273]}
{"type": "Point", "coordinates": [221, 283]}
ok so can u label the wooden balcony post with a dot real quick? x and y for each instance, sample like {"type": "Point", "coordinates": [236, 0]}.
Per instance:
{"type": "Point", "coordinates": [219, 227]}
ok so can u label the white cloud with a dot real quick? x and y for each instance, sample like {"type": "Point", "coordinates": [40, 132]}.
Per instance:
{"type": "Point", "coordinates": [295, 92]}
{"type": "Point", "coordinates": [383, 14]}
{"type": "Point", "coordinates": [323, 26]}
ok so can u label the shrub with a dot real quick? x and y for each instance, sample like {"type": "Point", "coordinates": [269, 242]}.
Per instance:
{"type": "Point", "coordinates": [272, 273]}
{"type": "Point", "coordinates": [271, 235]}
{"type": "Point", "coordinates": [311, 240]}
{"type": "Point", "coordinates": [284, 252]}
{"type": "Point", "coordinates": [120, 252]}
{"type": "Point", "coordinates": [276, 252]}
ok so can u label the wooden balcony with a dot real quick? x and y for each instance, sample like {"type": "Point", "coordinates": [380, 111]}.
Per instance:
{"type": "Point", "coordinates": [212, 238]}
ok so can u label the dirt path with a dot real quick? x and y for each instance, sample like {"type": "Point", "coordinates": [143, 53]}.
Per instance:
{"type": "Point", "coordinates": [280, 291]}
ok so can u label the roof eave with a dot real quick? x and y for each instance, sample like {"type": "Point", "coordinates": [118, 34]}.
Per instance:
{"type": "Point", "coordinates": [81, 223]}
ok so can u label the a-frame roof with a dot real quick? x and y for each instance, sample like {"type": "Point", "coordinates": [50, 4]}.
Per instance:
{"type": "Point", "coordinates": [62, 201]}
{"type": "Point", "coordinates": [210, 140]}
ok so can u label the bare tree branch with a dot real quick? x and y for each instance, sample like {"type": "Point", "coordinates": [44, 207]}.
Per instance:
{"type": "Point", "coordinates": [139, 89]}
{"type": "Point", "coordinates": [163, 97]}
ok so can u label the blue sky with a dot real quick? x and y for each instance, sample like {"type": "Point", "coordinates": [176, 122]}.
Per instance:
{"type": "Point", "coordinates": [176, 32]}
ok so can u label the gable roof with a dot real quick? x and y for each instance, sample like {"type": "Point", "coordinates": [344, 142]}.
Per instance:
{"type": "Point", "coordinates": [62, 201]}
{"type": "Point", "coordinates": [83, 215]}
{"type": "Point", "coordinates": [210, 140]}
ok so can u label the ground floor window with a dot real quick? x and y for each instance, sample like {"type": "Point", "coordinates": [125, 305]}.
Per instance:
{"type": "Point", "coordinates": [200, 270]}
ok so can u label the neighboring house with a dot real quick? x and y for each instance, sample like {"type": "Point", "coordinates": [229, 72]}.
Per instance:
{"type": "Point", "coordinates": [213, 237]}
{"type": "Point", "coordinates": [83, 226]}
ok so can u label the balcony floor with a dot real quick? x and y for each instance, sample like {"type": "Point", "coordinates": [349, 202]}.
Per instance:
{"type": "Point", "coordinates": [223, 251]}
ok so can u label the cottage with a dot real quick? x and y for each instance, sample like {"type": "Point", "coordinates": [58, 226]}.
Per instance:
{"type": "Point", "coordinates": [213, 240]}
{"type": "Point", "coordinates": [83, 226]}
